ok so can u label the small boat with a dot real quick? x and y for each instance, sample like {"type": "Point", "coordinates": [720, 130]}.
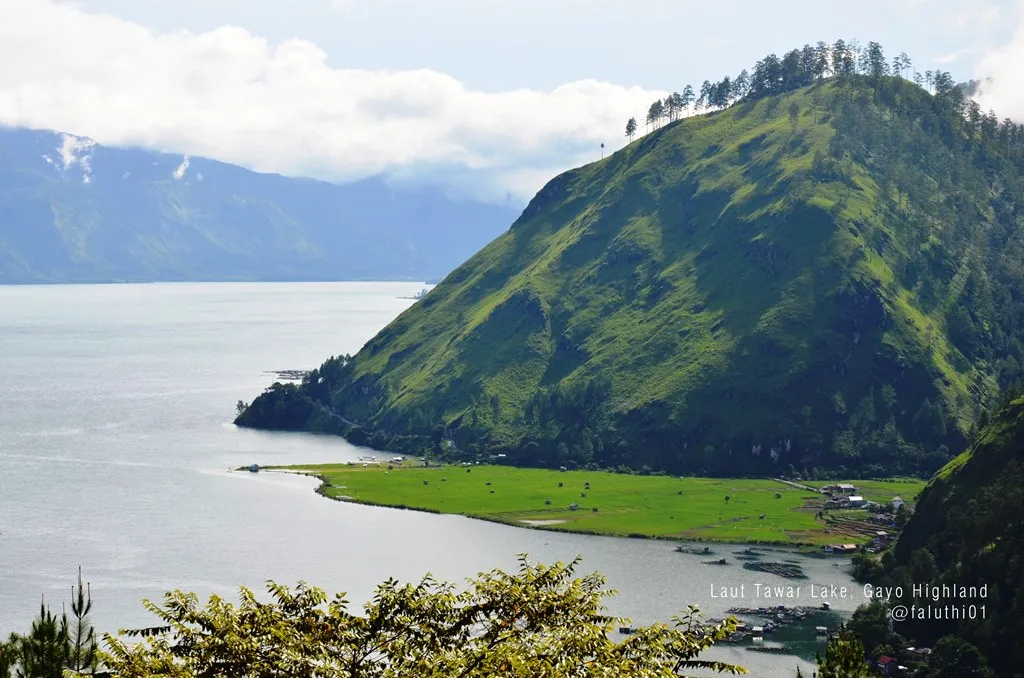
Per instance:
{"type": "Point", "coordinates": [626, 630]}
{"type": "Point", "coordinates": [254, 468]}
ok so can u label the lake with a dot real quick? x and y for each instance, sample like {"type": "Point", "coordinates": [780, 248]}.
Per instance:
{"type": "Point", "coordinates": [116, 442]}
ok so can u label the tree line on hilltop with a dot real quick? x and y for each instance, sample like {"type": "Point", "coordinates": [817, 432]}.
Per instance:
{"type": "Point", "coordinates": [814, 63]}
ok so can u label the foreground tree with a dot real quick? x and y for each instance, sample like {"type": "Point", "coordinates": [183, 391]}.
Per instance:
{"type": "Point", "coordinates": [7, 657]}
{"type": "Point", "coordinates": [844, 658]}
{"type": "Point", "coordinates": [82, 652]}
{"type": "Point", "coordinates": [541, 621]}
{"type": "Point", "coordinates": [54, 647]}
{"type": "Point", "coordinates": [43, 652]}
{"type": "Point", "coordinates": [954, 657]}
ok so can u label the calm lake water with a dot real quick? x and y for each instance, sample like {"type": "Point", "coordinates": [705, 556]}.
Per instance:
{"type": "Point", "coordinates": [115, 445]}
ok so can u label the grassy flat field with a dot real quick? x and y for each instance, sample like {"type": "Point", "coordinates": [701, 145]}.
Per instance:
{"type": "Point", "coordinates": [654, 506]}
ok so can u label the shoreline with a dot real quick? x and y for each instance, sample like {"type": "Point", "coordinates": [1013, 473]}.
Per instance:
{"type": "Point", "coordinates": [803, 547]}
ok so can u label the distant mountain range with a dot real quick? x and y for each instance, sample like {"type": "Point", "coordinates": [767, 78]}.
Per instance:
{"type": "Point", "coordinates": [75, 211]}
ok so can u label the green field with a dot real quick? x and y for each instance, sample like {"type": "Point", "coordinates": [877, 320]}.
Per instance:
{"type": "Point", "coordinates": [615, 504]}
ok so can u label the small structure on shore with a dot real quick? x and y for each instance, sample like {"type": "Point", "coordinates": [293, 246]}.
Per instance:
{"type": "Point", "coordinates": [841, 548]}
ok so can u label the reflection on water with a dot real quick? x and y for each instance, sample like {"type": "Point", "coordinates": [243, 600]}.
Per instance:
{"type": "Point", "coordinates": [115, 445]}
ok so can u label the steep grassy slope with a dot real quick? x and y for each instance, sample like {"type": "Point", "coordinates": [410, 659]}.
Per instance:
{"type": "Point", "coordinates": [968, 531]}
{"type": "Point", "coordinates": [774, 284]}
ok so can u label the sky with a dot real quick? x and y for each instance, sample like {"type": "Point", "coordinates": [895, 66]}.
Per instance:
{"type": "Point", "coordinates": [490, 98]}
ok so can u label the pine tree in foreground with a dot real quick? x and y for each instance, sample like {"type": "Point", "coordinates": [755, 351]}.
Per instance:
{"type": "Point", "coordinates": [43, 652]}
{"type": "Point", "coordinates": [81, 636]}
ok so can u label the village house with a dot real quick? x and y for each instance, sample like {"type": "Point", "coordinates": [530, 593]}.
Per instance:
{"type": "Point", "coordinates": [841, 548]}
{"type": "Point", "coordinates": [840, 488]}
{"type": "Point", "coordinates": [897, 502]}
{"type": "Point", "coordinates": [857, 501]}
{"type": "Point", "coordinates": [888, 665]}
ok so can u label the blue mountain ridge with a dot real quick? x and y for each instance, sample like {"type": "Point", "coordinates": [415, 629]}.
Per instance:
{"type": "Point", "coordinates": [72, 210]}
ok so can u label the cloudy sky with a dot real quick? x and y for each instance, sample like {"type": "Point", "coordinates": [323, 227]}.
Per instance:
{"type": "Point", "coordinates": [489, 96]}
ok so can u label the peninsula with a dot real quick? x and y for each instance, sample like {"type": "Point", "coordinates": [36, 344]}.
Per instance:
{"type": "Point", "coordinates": [598, 502]}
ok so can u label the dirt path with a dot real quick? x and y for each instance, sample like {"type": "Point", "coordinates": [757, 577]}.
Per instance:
{"type": "Point", "coordinates": [798, 485]}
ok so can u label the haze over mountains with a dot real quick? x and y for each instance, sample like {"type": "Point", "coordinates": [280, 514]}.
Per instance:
{"type": "Point", "coordinates": [75, 211]}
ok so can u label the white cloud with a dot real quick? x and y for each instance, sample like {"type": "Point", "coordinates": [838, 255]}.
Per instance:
{"type": "Point", "coordinates": [77, 150]}
{"type": "Point", "coordinates": [1000, 69]}
{"type": "Point", "coordinates": [952, 56]}
{"type": "Point", "coordinates": [71, 146]}
{"type": "Point", "coordinates": [972, 15]}
{"type": "Point", "coordinates": [231, 95]}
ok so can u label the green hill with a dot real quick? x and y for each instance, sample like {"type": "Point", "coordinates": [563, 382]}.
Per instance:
{"type": "Point", "coordinates": [968, 531]}
{"type": "Point", "coordinates": [827, 277]}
